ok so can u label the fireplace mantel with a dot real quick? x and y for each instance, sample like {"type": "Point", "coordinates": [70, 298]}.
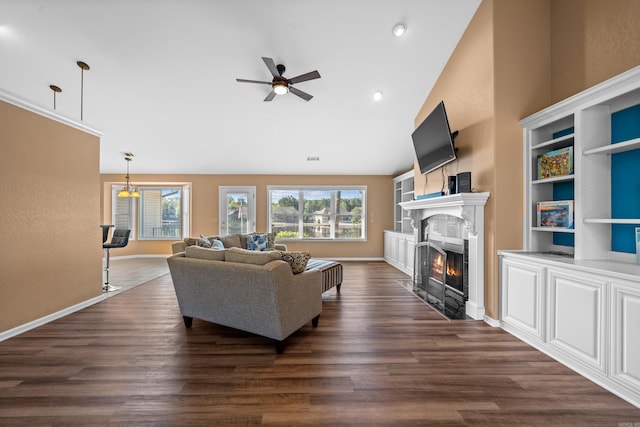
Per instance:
{"type": "Point", "coordinates": [462, 205]}
{"type": "Point", "coordinates": [470, 208]}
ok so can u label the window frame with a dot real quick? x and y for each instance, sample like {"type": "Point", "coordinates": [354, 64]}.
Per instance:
{"type": "Point", "coordinates": [136, 212]}
{"type": "Point", "coordinates": [333, 189]}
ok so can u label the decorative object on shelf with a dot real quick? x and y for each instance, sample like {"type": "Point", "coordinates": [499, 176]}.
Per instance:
{"type": "Point", "coordinates": [463, 182]}
{"type": "Point", "coordinates": [638, 245]}
{"type": "Point", "coordinates": [556, 163]}
{"type": "Point", "coordinates": [55, 89]}
{"type": "Point", "coordinates": [556, 213]}
{"type": "Point", "coordinates": [128, 190]}
{"type": "Point", "coordinates": [83, 66]}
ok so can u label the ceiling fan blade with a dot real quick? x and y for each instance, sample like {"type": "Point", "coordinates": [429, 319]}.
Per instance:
{"type": "Point", "coordinates": [271, 95]}
{"type": "Point", "coordinates": [304, 77]}
{"type": "Point", "coordinates": [301, 94]}
{"type": "Point", "coordinates": [252, 81]}
{"type": "Point", "coordinates": [271, 66]}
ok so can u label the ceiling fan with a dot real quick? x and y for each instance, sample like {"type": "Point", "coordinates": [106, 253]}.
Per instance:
{"type": "Point", "coordinates": [280, 85]}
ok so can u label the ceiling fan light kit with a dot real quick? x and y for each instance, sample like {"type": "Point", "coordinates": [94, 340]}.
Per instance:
{"type": "Point", "coordinates": [281, 85]}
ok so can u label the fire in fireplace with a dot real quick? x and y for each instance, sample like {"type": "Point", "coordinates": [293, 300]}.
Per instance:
{"type": "Point", "coordinates": [453, 263]}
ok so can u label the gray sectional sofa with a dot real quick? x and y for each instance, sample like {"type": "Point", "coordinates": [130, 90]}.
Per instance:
{"type": "Point", "coordinates": [252, 291]}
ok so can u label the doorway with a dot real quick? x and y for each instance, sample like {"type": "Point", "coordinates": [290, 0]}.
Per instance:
{"type": "Point", "coordinates": [237, 210]}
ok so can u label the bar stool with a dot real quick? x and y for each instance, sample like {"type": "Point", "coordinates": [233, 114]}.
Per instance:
{"type": "Point", "coordinates": [119, 239]}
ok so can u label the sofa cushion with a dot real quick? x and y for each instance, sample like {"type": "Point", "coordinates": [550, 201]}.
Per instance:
{"type": "Point", "coordinates": [297, 260]}
{"type": "Point", "coordinates": [257, 242]}
{"type": "Point", "coordinates": [204, 253]}
{"type": "Point", "coordinates": [231, 241]}
{"type": "Point", "coordinates": [246, 256]}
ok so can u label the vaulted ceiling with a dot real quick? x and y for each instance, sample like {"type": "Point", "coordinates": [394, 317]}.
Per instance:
{"type": "Point", "coordinates": [162, 78]}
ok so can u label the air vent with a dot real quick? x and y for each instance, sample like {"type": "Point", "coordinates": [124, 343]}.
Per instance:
{"type": "Point", "coordinates": [313, 159]}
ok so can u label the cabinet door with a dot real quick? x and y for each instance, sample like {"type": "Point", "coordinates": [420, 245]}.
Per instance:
{"type": "Point", "coordinates": [522, 298]}
{"type": "Point", "coordinates": [625, 351]}
{"type": "Point", "coordinates": [577, 316]}
{"type": "Point", "coordinates": [410, 256]}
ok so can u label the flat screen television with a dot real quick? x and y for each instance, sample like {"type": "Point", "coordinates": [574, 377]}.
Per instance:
{"type": "Point", "coordinates": [433, 141]}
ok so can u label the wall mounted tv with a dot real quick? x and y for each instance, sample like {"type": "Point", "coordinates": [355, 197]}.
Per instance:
{"type": "Point", "coordinates": [433, 141]}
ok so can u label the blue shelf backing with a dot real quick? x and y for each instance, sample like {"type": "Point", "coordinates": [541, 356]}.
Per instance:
{"type": "Point", "coordinates": [563, 191]}
{"type": "Point", "coordinates": [625, 179]}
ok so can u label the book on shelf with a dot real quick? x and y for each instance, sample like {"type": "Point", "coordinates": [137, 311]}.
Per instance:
{"type": "Point", "coordinates": [555, 163]}
{"type": "Point", "coordinates": [555, 213]}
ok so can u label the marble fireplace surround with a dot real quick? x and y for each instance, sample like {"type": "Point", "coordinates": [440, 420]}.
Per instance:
{"type": "Point", "coordinates": [470, 208]}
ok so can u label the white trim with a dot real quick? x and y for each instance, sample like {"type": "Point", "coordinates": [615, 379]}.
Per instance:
{"type": "Point", "coordinates": [491, 321]}
{"type": "Point", "coordinates": [15, 100]}
{"type": "Point", "coordinates": [140, 256]}
{"type": "Point", "coordinates": [50, 318]}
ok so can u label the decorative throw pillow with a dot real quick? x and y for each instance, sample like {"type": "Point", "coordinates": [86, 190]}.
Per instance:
{"type": "Point", "coordinates": [297, 260]}
{"type": "Point", "coordinates": [231, 241]}
{"type": "Point", "coordinates": [246, 256]}
{"type": "Point", "coordinates": [204, 253]}
{"type": "Point", "coordinates": [191, 241]}
{"type": "Point", "coordinates": [257, 242]}
{"type": "Point", "coordinates": [204, 242]}
{"type": "Point", "coordinates": [215, 243]}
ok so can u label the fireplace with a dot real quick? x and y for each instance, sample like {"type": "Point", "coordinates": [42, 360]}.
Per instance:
{"type": "Point", "coordinates": [455, 224]}
{"type": "Point", "coordinates": [442, 280]}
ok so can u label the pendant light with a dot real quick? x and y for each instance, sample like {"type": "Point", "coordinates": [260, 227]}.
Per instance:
{"type": "Point", "coordinates": [55, 89]}
{"type": "Point", "coordinates": [83, 67]}
{"type": "Point", "coordinates": [128, 190]}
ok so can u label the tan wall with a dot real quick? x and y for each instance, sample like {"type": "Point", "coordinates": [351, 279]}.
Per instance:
{"type": "Point", "coordinates": [205, 208]}
{"type": "Point", "coordinates": [592, 41]}
{"type": "Point", "coordinates": [467, 87]}
{"type": "Point", "coordinates": [49, 216]}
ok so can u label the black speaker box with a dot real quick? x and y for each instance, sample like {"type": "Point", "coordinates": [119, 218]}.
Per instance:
{"type": "Point", "coordinates": [452, 185]}
{"type": "Point", "coordinates": [464, 182]}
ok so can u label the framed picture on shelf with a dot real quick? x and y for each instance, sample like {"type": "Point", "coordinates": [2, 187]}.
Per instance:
{"type": "Point", "coordinates": [555, 163]}
{"type": "Point", "coordinates": [556, 213]}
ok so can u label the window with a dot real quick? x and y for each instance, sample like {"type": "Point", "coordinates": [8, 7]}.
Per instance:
{"type": "Point", "coordinates": [335, 213]}
{"type": "Point", "coordinates": [163, 212]}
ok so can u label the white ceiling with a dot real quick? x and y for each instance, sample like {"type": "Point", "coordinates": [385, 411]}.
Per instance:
{"type": "Point", "coordinates": [162, 78]}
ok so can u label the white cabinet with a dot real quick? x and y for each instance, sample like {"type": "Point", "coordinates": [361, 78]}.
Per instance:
{"type": "Point", "coordinates": [582, 307]}
{"type": "Point", "coordinates": [584, 314]}
{"type": "Point", "coordinates": [577, 315]}
{"type": "Point", "coordinates": [398, 243]}
{"type": "Point", "coordinates": [398, 251]}
{"type": "Point", "coordinates": [522, 297]}
{"type": "Point", "coordinates": [625, 330]}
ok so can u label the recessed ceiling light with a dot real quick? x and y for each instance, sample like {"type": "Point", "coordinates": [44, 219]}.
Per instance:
{"type": "Point", "coordinates": [399, 29]}
{"type": "Point", "coordinates": [377, 95]}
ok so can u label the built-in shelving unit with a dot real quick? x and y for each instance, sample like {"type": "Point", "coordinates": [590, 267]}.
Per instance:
{"type": "Point", "coordinates": [574, 292]}
{"type": "Point", "coordinates": [398, 243]}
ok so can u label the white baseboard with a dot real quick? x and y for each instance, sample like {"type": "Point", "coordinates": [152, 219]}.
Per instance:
{"type": "Point", "coordinates": [492, 322]}
{"type": "Point", "coordinates": [49, 318]}
{"type": "Point", "coordinates": [140, 256]}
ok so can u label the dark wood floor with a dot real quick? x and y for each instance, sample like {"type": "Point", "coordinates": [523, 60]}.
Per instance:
{"type": "Point", "coordinates": [379, 357]}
